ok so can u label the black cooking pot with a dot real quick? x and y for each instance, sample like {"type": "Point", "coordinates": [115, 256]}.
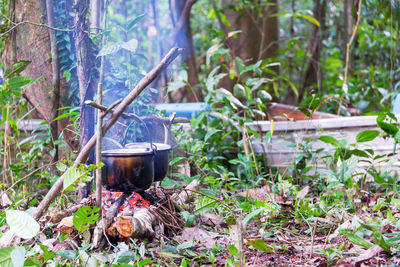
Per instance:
{"type": "Point", "coordinates": [161, 161]}
{"type": "Point", "coordinates": [128, 170]}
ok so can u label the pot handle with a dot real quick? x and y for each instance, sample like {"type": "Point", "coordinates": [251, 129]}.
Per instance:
{"type": "Point", "coordinates": [153, 147]}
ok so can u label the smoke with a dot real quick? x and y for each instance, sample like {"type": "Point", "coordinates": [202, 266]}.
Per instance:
{"type": "Point", "coordinates": [149, 23]}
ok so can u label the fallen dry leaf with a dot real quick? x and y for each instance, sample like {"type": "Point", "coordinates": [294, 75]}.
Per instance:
{"type": "Point", "coordinates": [202, 237]}
{"type": "Point", "coordinates": [210, 219]}
{"type": "Point", "coordinates": [368, 254]}
{"type": "Point", "coordinates": [66, 226]}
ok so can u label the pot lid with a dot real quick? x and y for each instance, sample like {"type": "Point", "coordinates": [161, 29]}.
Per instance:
{"type": "Point", "coordinates": [127, 152]}
{"type": "Point", "coordinates": [159, 146]}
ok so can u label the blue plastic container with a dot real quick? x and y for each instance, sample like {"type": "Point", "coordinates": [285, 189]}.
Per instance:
{"type": "Point", "coordinates": [396, 105]}
{"type": "Point", "coordinates": [185, 110]}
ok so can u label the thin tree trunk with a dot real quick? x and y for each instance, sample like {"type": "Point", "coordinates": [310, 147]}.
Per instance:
{"type": "Point", "coordinates": [86, 70]}
{"type": "Point", "coordinates": [310, 78]}
{"type": "Point", "coordinates": [184, 40]}
{"type": "Point", "coordinates": [259, 36]}
{"type": "Point", "coordinates": [55, 73]}
{"type": "Point", "coordinates": [348, 27]}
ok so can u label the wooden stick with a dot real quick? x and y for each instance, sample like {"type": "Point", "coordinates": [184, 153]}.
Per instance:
{"type": "Point", "coordinates": [107, 219]}
{"type": "Point", "coordinates": [99, 182]}
{"type": "Point", "coordinates": [84, 153]}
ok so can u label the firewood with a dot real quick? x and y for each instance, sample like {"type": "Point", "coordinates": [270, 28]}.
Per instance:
{"type": "Point", "coordinates": [57, 215]}
{"type": "Point", "coordinates": [112, 230]}
{"type": "Point", "coordinates": [185, 195]}
{"type": "Point", "coordinates": [105, 222]}
{"type": "Point", "coordinates": [139, 226]}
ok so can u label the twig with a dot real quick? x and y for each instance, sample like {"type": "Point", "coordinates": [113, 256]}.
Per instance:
{"type": "Point", "coordinates": [313, 237]}
{"type": "Point", "coordinates": [84, 153]}
{"type": "Point", "coordinates": [27, 176]}
{"type": "Point", "coordinates": [210, 197]}
{"type": "Point", "coordinates": [35, 24]}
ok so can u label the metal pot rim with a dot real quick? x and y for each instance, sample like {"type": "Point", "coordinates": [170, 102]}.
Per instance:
{"type": "Point", "coordinates": [159, 146]}
{"type": "Point", "coordinates": [126, 152]}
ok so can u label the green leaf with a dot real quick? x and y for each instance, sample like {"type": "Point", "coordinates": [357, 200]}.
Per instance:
{"type": "Point", "coordinates": [357, 240]}
{"type": "Point", "coordinates": [109, 49]}
{"type": "Point", "coordinates": [85, 217]}
{"type": "Point", "coordinates": [18, 257]}
{"type": "Point", "coordinates": [131, 45]}
{"type": "Point", "coordinates": [261, 245]}
{"type": "Point", "coordinates": [367, 135]}
{"type": "Point", "coordinates": [330, 140]}
{"type": "Point", "coordinates": [144, 262]}
{"type": "Point", "coordinates": [268, 136]}
{"type": "Point", "coordinates": [189, 218]}
{"type": "Point", "coordinates": [210, 133]}
{"type": "Point", "coordinates": [176, 160]}
{"type": "Point", "coordinates": [5, 257]}
{"type": "Point", "coordinates": [132, 22]}
{"type": "Point", "coordinates": [16, 69]}
{"type": "Point", "coordinates": [22, 224]}
{"type": "Point", "coordinates": [359, 153]}
{"type": "Point", "coordinates": [310, 19]}
{"type": "Point", "coordinates": [126, 256]}
{"type": "Point", "coordinates": [233, 250]}
{"type": "Point", "coordinates": [19, 82]}
{"type": "Point", "coordinates": [204, 204]}
{"type": "Point", "coordinates": [65, 115]}
{"type": "Point", "coordinates": [251, 215]}
{"type": "Point", "coordinates": [67, 254]}
{"type": "Point", "coordinates": [231, 98]}
{"type": "Point", "coordinates": [71, 176]}
{"type": "Point", "coordinates": [389, 128]}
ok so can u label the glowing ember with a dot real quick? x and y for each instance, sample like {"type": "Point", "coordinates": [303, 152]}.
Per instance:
{"type": "Point", "coordinates": [134, 200]}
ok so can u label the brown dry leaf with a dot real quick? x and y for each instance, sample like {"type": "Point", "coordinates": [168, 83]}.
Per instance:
{"type": "Point", "coordinates": [9, 239]}
{"type": "Point", "coordinates": [62, 246]}
{"type": "Point", "coordinates": [255, 193]}
{"type": "Point", "coordinates": [5, 200]}
{"type": "Point", "coordinates": [265, 194]}
{"type": "Point", "coordinates": [368, 254]}
{"type": "Point", "coordinates": [124, 226]}
{"type": "Point", "coordinates": [210, 219]}
{"type": "Point", "coordinates": [203, 237]}
{"type": "Point", "coordinates": [66, 226]}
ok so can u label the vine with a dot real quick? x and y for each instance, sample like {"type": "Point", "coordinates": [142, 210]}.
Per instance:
{"type": "Point", "coordinates": [66, 50]}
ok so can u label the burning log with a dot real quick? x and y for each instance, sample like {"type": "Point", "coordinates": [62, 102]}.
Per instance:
{"type": "Point", "coordinates": [139, 226]}
{"type": "Point", "coordinates": [105, 222]}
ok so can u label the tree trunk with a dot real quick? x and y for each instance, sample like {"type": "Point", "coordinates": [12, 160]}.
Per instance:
{"type": "Point", "coordinates": [348, 27]}
{"type": "Point", "coordinates": [311, 78]}
{"type": "Point", "coordinates": [86, 69]}
{"type": "Point", "coordinates": [19, 46]}
{"type": "Point", "coordinates": [259, 37]}
{"type": "Point", "coordinates": [184, 40]}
